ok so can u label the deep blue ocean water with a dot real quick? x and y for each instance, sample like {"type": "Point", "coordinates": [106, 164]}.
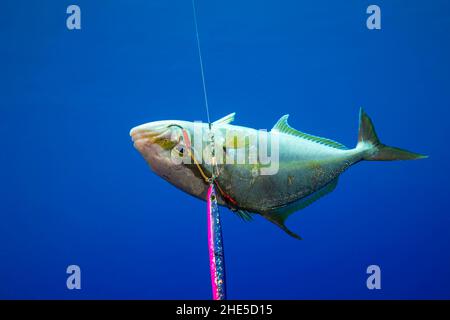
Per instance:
{"type": "Point", "coordinates": [73, 190]}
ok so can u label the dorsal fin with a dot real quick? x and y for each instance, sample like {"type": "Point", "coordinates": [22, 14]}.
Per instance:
{"type": "Point", "coordinates": [283, 126]}
{"type": "Point", "coordinates": [225, 120]}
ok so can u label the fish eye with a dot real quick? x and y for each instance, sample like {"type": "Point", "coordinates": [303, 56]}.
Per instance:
{"type": "Point", "coordinates": [180, 150]}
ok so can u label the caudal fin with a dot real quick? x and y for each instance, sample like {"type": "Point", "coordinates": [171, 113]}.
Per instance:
{"type": "Point", "coordinates": [376, 151]}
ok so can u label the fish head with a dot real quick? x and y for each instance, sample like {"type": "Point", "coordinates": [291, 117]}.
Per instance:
{"type": "Point", "coordinates": [163, 145]}
{"type": "Point", "coordinates": [157, 140]}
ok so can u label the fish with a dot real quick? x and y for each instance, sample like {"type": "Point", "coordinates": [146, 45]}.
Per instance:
{"type": "Point", "coordinates": [307, 166]}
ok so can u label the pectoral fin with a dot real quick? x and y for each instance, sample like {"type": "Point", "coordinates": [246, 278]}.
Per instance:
{"type": "Point", "coordinates": [234, 141]}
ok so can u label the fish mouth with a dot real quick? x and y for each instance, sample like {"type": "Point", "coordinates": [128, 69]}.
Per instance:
{"type": "Point", "coordinates": [142, 135]}
{"type": "Point", "coordinates": [147, 131]}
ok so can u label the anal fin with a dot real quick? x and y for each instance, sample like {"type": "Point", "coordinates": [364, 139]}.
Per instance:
{"type": "Point", "coordinates": [279, 215]}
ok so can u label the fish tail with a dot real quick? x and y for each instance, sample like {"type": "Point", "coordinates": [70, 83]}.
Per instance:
{"type": "Point", "coordinates": [374, 150]}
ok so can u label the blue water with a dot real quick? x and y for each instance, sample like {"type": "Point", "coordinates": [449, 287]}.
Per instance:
{"type": "Point", "coordinates": [73, 190]}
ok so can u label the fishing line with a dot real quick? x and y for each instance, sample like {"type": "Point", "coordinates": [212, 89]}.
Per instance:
{"type": "Point", "coordinates": [205, 94]}
{"type": "Point", "coordinates": [194, 10]}
{"type": "Point", "coordinates": [215, 242]}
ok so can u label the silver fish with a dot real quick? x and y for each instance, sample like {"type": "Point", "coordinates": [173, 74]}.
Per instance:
{"type": "Point", "coordinates": [308, 166]}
